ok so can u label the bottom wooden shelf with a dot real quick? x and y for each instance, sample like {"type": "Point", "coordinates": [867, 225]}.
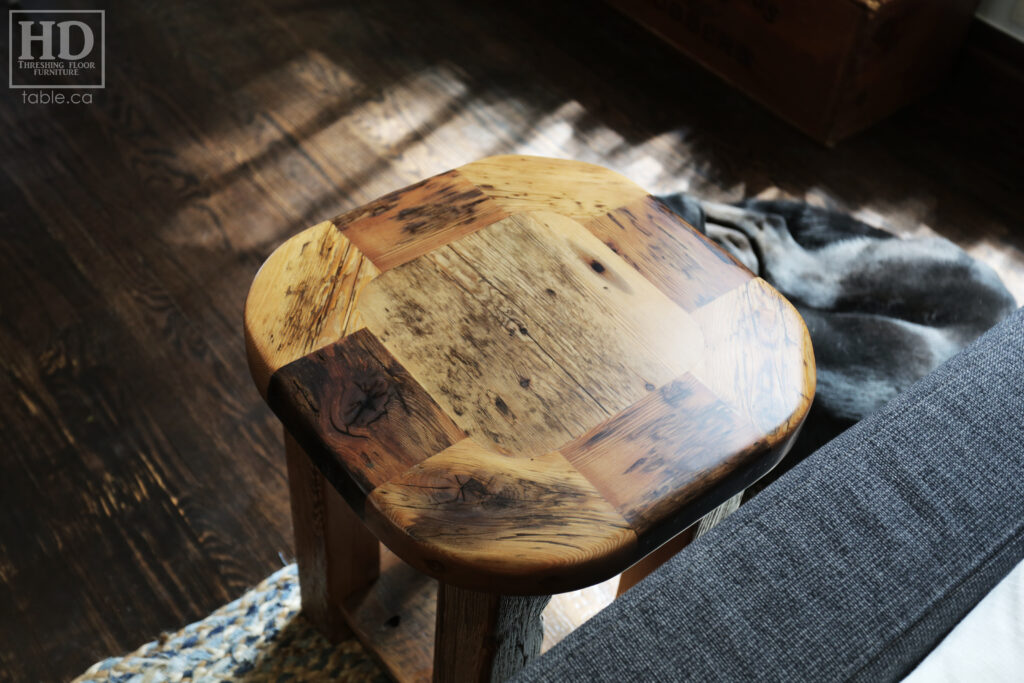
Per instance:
{"type": "Point", "coordinates": [394, 618]}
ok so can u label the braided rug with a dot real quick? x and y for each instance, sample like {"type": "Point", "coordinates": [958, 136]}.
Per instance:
{"type": "Point", "coordinates": [259, 637]}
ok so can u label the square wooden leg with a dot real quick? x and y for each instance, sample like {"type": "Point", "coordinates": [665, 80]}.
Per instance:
{"type": "Point", "coordinates": [336, 553]}
{"type": "Point", "coordinates": [350, 586]}
{"type": "Point", "coordinates": [484, 637]}
{"type": "Point", "coordinates": [639, 571]}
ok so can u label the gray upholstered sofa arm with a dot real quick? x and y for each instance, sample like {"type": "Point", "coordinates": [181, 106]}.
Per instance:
{"type": "Point", "coordinates": [851, 566]}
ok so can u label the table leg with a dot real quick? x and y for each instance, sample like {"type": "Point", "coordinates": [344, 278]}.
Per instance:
{"type": "Point", "coordinates": [639, 571]}
{"type": "Point", "coordinates": [337, 554]}
{"type": "Point", "coordinates": [485, 637]}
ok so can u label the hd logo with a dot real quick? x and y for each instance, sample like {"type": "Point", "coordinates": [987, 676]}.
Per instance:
{"type": "Point", "coordinates": [57, 49]}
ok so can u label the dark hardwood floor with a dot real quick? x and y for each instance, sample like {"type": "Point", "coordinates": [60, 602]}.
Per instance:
{"type": "Point", "coordinates": [142, 478]}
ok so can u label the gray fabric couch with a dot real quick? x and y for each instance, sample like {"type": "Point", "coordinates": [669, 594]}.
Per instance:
{"type": "Point", "coordinates": [854, 564]}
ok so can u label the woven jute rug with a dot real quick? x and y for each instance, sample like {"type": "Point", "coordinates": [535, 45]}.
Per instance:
{"type": "Point", "coordinates": [259, 637]}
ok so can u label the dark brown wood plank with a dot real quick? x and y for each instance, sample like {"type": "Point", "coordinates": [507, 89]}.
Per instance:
{"type": "Point", "coordinates": [359, 414]}
{"type": "Point", "coordinates": [485, 637]}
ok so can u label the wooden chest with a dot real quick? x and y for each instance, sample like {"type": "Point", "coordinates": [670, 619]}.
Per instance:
{"type": "Point", "coordinates": [829, 67]}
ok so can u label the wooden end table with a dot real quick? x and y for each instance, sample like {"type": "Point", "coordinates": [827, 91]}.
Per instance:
{"type": "Point", "coordinates": [522, 376]}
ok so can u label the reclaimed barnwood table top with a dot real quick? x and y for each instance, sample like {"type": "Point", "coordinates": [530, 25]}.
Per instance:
{"type": "Point", "coordinates": [525, 374]}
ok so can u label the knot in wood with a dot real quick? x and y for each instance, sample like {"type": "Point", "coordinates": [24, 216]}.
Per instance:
{"type": "Point", "coordinates": [363, 400]}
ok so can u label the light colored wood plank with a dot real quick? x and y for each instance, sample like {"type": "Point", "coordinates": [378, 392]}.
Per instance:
{"type": "Point", "coordinates": [483, 520]}
{"type": "Point", "coordinates": [614, 332]}
{"type": "Point", "coordinates": [572, 188]}
{"type": "Point", "coordinates": [757, 357]}
{"type": "Point", "coordinates": [494, 381]}
{"type": "Point", "coordinates": [557, 322]}
{"type": "Point", "coordinates": [302, 299]}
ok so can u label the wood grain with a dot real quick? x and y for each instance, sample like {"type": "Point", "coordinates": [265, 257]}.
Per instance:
{"type": "Point", "coordinates": [396, 617]}
{"type": "Point", "coordinates": [757, 357]}
{"type": "Point", "coordinates": [599, 319]}
{"type": "Point", "coordinates": [485, 325]}
{"type": "Point", "coordinates": [666, 451]}
{"type": "Point", "coordinates": [302, 299]}
{"type": "Point", "coordinates": [477, 359]}
{"type": "Point", "coordinates": [410, 222]}
{"type": "Point", "coordinates": [486, 521]}
{"type": "Point", "coordinates": [682, 263]}
{"type": "Point", "coordinates": [485, 637]}
{"type": "Point", "coordinates": [521, 184]}
{"type": "Point", "coordinates": [524, 410]}
{"type": "Point", "coordinates": [336, 554]}
{"type": "Point", "coordinates": [394, 620]}
{"type": "Point", "coordinates": [359, 414]}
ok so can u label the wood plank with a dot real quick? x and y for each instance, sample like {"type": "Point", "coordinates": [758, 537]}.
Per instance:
{"type": "Point", "coordinates": [303, 299]}
{"type": "Point", "coordinates": [494, 381]}
{"type": "Point", "coordinates": [485, 637]}
{"type": "Point", "coordinates": [681, 262]}
{"type": "Point", "coordinates": [534, 312]}
{"type": "Point", "coordinates": [336, 554]}
{"type": "Point", "coordinates": [359, 415]}
{"type": "Point", "coordinates": [395, 618]}
{"type": "Point", "coordinates": [615, 333]}
{"type": "Point", "coordinates": [572, 188]}
{"type": "Point", "coordinates": [669, 450]}
{"type": "Point", "coordinates": [757, 357]}
{"type": "Point", "coordinates": [412, 221]}
{"type": "Point", "coordinates": [486, 521]}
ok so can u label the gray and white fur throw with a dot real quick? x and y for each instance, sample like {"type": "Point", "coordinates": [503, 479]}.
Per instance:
{"type": "Point", "coordinates": [882, 311]}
